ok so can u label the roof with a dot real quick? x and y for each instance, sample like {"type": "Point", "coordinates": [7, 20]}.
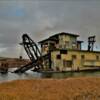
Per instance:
{"type": "Point", "coordinates": [48, 39]}
{"type": "Point", "coordinates": [64, 33]}
{"type": "Point", "coordinates": [79, 41]}
{"type": "Point", "coordinates": [56, 35]}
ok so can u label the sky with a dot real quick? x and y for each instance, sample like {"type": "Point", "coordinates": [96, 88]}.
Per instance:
{"type": "Point", "coordinates": [43, 18]}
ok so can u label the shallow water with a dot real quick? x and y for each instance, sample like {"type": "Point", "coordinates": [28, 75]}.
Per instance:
{"type": "Point", "coordinates": [31, 75]}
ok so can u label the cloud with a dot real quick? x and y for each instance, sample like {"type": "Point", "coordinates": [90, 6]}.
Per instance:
{"type": "Point", "coordinates": [43, 18]}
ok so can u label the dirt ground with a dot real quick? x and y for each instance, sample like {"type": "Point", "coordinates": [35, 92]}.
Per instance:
{"type": "Point", "coordinates": [87, 88]}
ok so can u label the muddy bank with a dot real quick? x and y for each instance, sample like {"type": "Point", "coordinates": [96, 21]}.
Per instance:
{"type": "Point", "coordinates": [51, 89]}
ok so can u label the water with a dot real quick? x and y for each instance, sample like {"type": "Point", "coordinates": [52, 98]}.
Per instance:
{"type": "Point", "coordinates": [31, 75]}
{"type": "Point", "coordinates": [70, 74]}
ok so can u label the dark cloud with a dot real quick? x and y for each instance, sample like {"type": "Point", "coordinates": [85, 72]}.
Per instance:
{"type": "Point", "coordinates": [43, 18]}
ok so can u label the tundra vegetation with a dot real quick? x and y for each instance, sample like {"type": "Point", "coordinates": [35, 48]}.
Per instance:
{"type": "Point", "coordinates": [87, 88]}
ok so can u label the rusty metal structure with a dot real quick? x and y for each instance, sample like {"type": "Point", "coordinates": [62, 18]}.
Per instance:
{"type": "Point", "coordinates": [4, 69]}
{"type": "Point", "coordinates": [91, 41]}
{"type": "Point", "coordinates": [61, 52]}
{"type": "Point", "coordinates": [33, 53]}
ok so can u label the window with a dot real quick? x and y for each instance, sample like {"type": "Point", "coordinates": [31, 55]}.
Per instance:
{"type": "Point", "coordinates": [44, 48]}
{"type": "Point", "coordinates": [52, 46]}
{"type": "Point", "coordinates": [82, 57]}
{"type": "Point", "coordinates": [73, 56]}
{"type": "Point", "coordinates": [73, 45]}
{"type": "Point", "coordinates": [67, 63]}
{"type": "Point", "coordinates": [58, 56]}
{"type": "Point", "coordinates": [97, 57]}
{"type": "Point", "coordinates": [60, 38]}
{"type": "Point", "coordinates": [63, 51]}
{"type": "Point", "coordinates": [66, 44]}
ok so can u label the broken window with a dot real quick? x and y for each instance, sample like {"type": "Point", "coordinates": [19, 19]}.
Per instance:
{"type": "Point", "coordinates": [82, 57]}
{"type": "Point", "coordinates": [58, 56]}
{"type": "Point", "coordinates": [74, 57]}
{"type": "Point", "coordinates": [97, 57]}
{"type": "Point", "coordinates": [63, 51]}
{"type": "Point", "coordinates": [67, 63]}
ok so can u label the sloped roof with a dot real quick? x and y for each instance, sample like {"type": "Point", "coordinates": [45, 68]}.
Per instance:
{"type": "Point", "coordinates": [64, 33]}
{"type": "Point", "coordinates": [56, 35]}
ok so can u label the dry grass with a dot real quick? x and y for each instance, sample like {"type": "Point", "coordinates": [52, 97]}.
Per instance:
{"type": "Point", "coordinates": [51, 89]}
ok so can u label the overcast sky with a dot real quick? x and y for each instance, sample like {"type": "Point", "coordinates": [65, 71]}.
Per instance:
{"type": "Point", "coordinates": [42, 18]}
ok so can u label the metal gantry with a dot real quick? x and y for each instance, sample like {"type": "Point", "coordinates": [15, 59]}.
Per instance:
{"type": "Point", "coordinates": [91, 41]}
{"type": "Point", "coordinates": [33, 53]}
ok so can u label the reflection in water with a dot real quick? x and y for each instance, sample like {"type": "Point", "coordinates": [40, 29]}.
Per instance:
{"type": "Point", "coordinates": [56, 75]}
{"type": "Point", "coordinates": [69, 74]}
{"type": "Point", "coordinates": [31, 75]}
